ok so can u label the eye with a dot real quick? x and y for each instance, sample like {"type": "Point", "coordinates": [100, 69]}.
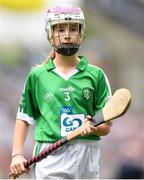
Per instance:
{"type": "Point", "coordinates": [74, 29]}
{"type": "Point", "coordinates": [61, 30]}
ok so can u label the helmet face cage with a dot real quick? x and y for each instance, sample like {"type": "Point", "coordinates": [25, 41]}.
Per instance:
{"type": "Point", "coordinates": [65, 15]}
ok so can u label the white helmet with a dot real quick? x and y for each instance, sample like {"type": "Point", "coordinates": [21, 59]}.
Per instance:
{"type": "Point", "coordinates": [65, 14]}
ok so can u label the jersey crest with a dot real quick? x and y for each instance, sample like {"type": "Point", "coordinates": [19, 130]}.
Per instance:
{"type": "Point", "coordinates": [87, 93]}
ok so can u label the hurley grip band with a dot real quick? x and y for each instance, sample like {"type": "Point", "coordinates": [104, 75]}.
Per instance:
{"type": "Point", "coordinates": [97, 119]}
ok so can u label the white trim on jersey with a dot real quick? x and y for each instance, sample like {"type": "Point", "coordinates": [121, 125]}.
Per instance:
{"type": "Point", "coordinates": [25, 117]}
{"type": "Point", "coordinates": [66, 76]}
{"type": "Point", "coordinates": [108, 84]}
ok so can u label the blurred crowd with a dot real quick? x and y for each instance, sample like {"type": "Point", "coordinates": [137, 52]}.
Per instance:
{"type": "Point", "coordinates": [109, 45]}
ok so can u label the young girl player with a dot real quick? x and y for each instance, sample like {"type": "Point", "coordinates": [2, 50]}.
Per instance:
{"type": "Point", "coordinates": [58, 96]}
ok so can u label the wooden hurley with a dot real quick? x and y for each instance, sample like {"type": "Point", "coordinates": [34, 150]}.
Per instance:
{"type": "Point", "coordinates": [114, 108]}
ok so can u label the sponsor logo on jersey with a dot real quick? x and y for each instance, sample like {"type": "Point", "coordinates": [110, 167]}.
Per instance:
{"type": "Point", "coordinates": [71, 124]}
{"type": "Point", "coordinates": [48, 97]}
{"type": "Point", "coordinates": [66, 110]}
{"type": "Point", "coordinates": [67, 89]}
{"type": "Point", "coordinates": [69, 121]}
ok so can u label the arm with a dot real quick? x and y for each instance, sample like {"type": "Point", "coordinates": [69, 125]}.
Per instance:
{"type": "Point", "coordinates": [26, 115]}
{"type": "Point", "coordinates": [20, 132]}
{"type": "Point", "coordinates": [101, 130]}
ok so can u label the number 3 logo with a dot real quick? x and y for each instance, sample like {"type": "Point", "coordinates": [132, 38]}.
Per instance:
{"type": "Point", "coordinates": [67, 96]}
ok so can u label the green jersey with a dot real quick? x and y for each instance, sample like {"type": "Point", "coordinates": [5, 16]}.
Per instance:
{"type": "Point", "coordinates": [58, 103]}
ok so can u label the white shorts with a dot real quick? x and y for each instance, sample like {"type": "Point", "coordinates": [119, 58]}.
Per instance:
{"type": "Point", "coordinates": [78, 159]}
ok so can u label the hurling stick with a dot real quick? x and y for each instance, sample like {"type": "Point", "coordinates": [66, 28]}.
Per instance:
{"type": "Point", "coordinates": [114, 108]}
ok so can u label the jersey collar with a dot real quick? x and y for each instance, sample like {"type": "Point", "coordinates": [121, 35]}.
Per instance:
{"type": "Point", "coordinates": [81, 65]}
{"type": "Point", "coordinates": [50, 65]}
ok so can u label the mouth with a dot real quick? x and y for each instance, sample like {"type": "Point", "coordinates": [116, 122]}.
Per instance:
{"type": "Point", "coordinates": [67, 44]}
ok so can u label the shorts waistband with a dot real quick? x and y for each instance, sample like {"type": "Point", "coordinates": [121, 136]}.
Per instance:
{"type": "Point", "coordinates": [74, 141]}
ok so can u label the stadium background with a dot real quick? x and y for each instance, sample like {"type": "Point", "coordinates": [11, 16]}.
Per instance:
{"type": "Point", "coordinates": [114, 41]}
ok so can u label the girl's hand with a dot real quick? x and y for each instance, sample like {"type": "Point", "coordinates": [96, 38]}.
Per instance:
{"type": "Point", "coordinates": [100, 130]}
{"type": "Point", "coordinates": [17, 165]}
{"type": "Point", "coordinates": [88, 129]}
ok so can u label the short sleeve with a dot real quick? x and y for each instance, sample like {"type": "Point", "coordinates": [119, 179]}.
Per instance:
{"type": "Point", "coordinates": [103, 91]}
{"type": "Point", "coordinates": [28, 109]}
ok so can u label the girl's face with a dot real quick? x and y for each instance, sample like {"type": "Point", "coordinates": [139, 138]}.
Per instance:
{"type": "Point", "coordinates": [66, 34]}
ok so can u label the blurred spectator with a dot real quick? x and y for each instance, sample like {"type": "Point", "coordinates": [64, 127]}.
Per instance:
{"type": "Point", "coordinates": [128, 170]}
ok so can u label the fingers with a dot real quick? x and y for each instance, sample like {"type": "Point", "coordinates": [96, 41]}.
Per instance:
{"type": "Point", "coordinates": [85, 131]}
{"type": "Point", "coordinates": [23, 169]}
{"type": "Point", "coordinates": [89, 117]}
{"type": "Point", "coordinates": [88, 130]}
{"type": "Point", "coordinates": [17, 170]}
{"type": "Point", "coordinates": [17, 167]}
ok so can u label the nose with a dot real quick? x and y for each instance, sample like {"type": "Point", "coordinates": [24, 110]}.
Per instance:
{"type": "Point", "coordinates": [67, 38]}
{"type": "Point", "coordinates": [67, 34]}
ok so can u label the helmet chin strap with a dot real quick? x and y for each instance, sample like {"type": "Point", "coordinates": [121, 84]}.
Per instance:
{"type": "Point", "coordinates": [68, 50]}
